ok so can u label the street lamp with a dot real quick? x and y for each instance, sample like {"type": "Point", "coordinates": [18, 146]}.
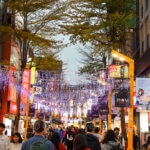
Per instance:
{"type": "Point", "coordinates": [131, 75]}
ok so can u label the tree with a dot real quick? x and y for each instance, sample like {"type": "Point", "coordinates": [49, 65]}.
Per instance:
{"type": "Point", "coordinates": [92, 62]}
{"type": "Point", "coordinates": [37, 25]}
{"type": "Point", "coordinates": [36, 29]}
{"type": "Point", "coordinates": [48, 62]}
{"type": "Point", "coordinates": [105, 24]}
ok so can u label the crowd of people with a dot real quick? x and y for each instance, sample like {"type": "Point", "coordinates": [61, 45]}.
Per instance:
{"type": "Point", "coordinates": [65, 139]}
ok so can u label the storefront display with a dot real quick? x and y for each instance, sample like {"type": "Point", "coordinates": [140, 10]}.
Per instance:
{"type": "Point", "coordinates": [8, 125]}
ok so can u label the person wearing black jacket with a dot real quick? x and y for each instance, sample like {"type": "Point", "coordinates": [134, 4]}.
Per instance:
{"type": "Point", "coordinates": [69, 138]}
{"type": "Point", "coordinates": [92, 141]}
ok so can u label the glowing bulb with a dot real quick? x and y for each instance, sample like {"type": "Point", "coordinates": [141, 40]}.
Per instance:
{"type": "Point", "coordinates": [122, 59]}
{"type": "Point", "coordinates": [115, 55]}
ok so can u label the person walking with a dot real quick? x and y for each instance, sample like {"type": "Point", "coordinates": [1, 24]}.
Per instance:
{"type": "Point", "coordinates": [92, 141]}
{"type": "Point", "coordinates": [57, 142]}
{"type": "Point", "coordinates": [110, 141]}
{"type": "Point", "coordinates": [16, 143]}
{"type": "Point", "coordinates": [135, 141]}
{"type": "Point", "coordinates": [69, 138]}
{"type": "Point", "coordinates": [96, 133]}
{"type": "Point", "coordinates": [119, 138]}
{"type": "Point", "coordinates": [80, 143]}
{"type": "Point", "coordinates": [37, 142]}
{"type": "Point", "coordinates": [4, 140]}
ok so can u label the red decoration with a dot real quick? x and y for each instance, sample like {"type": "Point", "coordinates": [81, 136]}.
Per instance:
{"type": "Point", "coordinates": [25, 86]}
{"type": "Point", "coordinates": [13, 108]}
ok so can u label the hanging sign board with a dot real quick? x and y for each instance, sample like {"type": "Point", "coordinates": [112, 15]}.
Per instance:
{"type": "Point", "coordinates": [122, 92]}
{"type": "Point", "coordinates": [143, 92]}
{"type": "Point", "coordinates": [25, 86]}
{"type": "Point", "coordinates": [118, 71]}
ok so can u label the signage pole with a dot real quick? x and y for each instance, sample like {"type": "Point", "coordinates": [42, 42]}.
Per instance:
{"type": "Point", "coordinates": [100, 125]}
{"type": "Point", "coordinates": [130, 123]}
{"type": "Point", "coordinates": [84, 122]}
{"type": "Point", "coordinates": [109, 105]}
{"type": "Point", "coordinates": [94, 122]}
{"type": "Point", "coordinates": [26, 126]}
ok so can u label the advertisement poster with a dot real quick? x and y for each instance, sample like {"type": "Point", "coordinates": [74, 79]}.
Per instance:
{"type": "Point", "coordinates": [33, 74]}
{"type": "Point", "coordinates": [143, 91]}
{"type": "Point", "coordinates": [13, 108]}
{"type": "Point", "coordinates": [103, 104]}
{"type": "Point", "coordinates": [12, 92]}
{"type": "Point", "coordinates": [25, 86]}
{"type": "Point", "coordinates": [122, 92]}
{"type": "Point", "coordinates": [32, 110]}
{"type": "Point", "coordinates": [118, 71]}
{"type": "Point", "coordinates": [114, 109]}
{"type": "Point", "coordinates": [23, 107]}
{"type": "Point", "coordinates": [8, 124]}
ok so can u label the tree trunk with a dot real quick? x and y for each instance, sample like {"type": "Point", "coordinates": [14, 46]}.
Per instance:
{"type": "Point", "coordinates": [18, 104]}
{"type": "Point", "coordinates": [123, 125]}
{"type": "Point", "coordinates": [23, 66]}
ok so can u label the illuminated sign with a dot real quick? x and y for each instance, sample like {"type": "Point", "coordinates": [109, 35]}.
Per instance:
{"type": "Point", "coordinates": [118, 71]}
{"type": "Point", "coordinates": [33, 74]}
{"type": "Point", "coordinates": [13, 108]}
{"type": "Point", "coordinates": [25, 86]}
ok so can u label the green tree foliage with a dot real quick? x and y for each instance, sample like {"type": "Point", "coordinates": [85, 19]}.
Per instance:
{"type": "Point", "coordinates": [36, 25]}
{"type": "Point", "coordinates": [92, 62]}
{"type": "Point", "coordinates": [48, 62]}
{"type": "Point", "coordinates": [103, 23]}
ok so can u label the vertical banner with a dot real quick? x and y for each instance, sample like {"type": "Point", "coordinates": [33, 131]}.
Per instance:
{"type": "Point", "coordinates": [23, 107]}
{"type": "Point", "coordinates": [13, 108]}
{"type": "Point", "coordinates": [103, 104]}
{"type": "Point", "coordinates": [102, 75]}
{"type": "Point", "coordinates": [33, 74]}
{"type": "Point", "coordinates": [122, 92]}
{"type": "Point", "coordinates": [52, 83]}
{"type": "Point", "coordinates": [25, 86]}
{"type": "Point", "coordinates": [12, 92]}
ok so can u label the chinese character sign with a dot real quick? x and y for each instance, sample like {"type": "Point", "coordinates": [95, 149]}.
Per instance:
{"type": "Point", "coordinates": [142, 91]}
{"type": "Point", "coordinates": [33, 74]}
{"type": "Point", "coordinates": [25, 86]}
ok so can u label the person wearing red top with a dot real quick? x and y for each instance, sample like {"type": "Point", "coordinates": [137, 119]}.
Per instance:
{"type": "Point", "coordinates": [56, 141]}
{"type": "Point", "coordinates": [80, 143]}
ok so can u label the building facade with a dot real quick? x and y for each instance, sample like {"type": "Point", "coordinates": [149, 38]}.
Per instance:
{"type": "Point", "coordinates": [143, 43]}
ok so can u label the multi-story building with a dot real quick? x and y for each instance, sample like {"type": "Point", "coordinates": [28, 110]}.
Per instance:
{"type": "Point", "coordinates": [143, 43]}
{"type": "Point", "coordinates": [142, 64]}
{"type": "Point", "coordinates": [9, 58]}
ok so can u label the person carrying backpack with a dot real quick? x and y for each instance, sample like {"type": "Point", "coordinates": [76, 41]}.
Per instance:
{"type": "Point", "coordinates": [37, 142]}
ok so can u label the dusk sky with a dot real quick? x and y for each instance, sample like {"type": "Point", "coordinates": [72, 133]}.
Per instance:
{"type": "Point", "coordinates": [72, 58]}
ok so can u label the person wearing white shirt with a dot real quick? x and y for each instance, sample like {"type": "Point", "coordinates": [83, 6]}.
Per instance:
{"type": "Point", "coordinates": [16, 143]}
{"type": "Point", "coordinates": [4, 140]}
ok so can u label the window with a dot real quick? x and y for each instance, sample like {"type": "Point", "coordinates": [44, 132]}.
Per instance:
{"type": "Point", "coordinates": [147, 41]}
{"type": "Point", "coordinates": [147, 31]}
{"type": "Point", "coordinates": [142, 48]}
{"type": "Point", "coordinates": [146, 3]}
{"type": "Point", "coordinates": [142, 12]}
